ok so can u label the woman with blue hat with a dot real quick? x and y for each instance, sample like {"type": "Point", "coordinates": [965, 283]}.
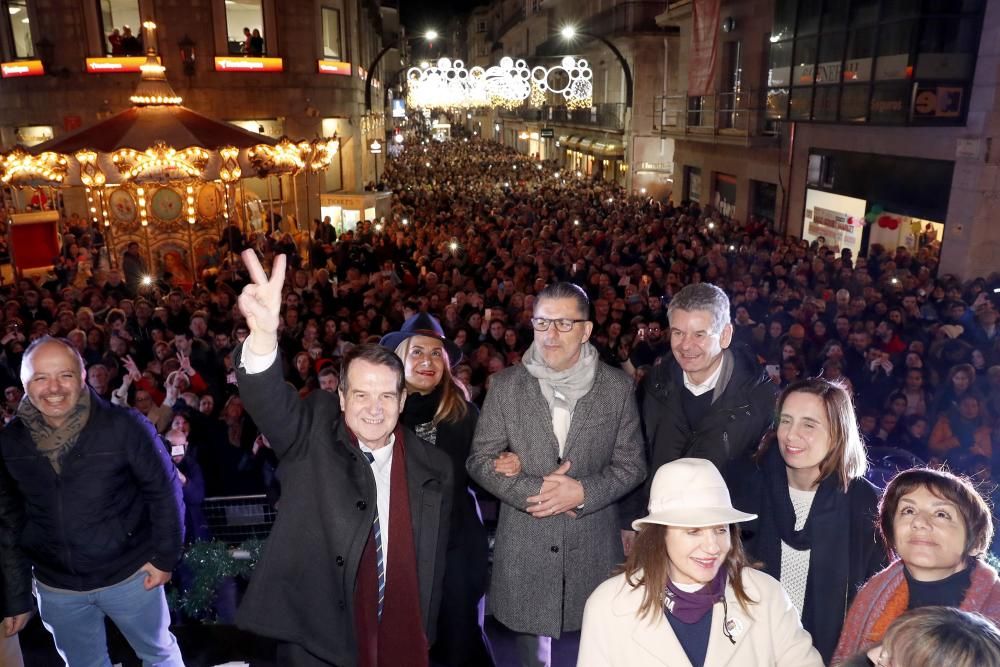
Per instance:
{"type": "Point", "coordinates": [687, 596]}
{"type": "Point", "coordinates": [438, 410]}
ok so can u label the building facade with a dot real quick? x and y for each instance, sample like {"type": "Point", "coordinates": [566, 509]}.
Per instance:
{"type": "Point", "coordinates": [858, 121]}
{"type": "Point", "coordinates": [278, 67]}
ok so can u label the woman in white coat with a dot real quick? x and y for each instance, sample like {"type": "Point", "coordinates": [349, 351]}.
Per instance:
{"type": "Point", "coordinates": [687, 596]}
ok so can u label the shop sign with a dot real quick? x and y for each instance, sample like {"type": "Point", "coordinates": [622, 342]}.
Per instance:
{"type": "Point", "coordinates": [116, 65]}
{"type": "Point", "coordinates": [227, 64]}
{"type": "Point", "coordinates": [338, 67]}
{"type": "Point", "coordinates": [938, 102]}
{"type": "Point", "coordinates": [375, 147]}
{"type": "Point", "coordinates": [21, 68]}
{"type": "Point", "coordinates": [548, 133]}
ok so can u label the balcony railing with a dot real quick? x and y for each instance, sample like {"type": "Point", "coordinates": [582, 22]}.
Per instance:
{"type": "Point", "coordinates": [606, 115]}
{"type": "Point", "coordinates": [732, 113]}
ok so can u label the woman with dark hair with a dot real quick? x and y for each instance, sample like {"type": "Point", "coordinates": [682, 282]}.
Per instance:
{"type": "Point", "coordinates": [913, 436]}
{"type": "Point", "coordinates": [816, 531]}
{"type": "Point", "coordinates": [687, 593]}
{"type": "Point", "coordinates": [939, 527]}
{"type": "Point", "coordinates": [959, 383]}
{"type": "Point", "coordinates": [438, 410]}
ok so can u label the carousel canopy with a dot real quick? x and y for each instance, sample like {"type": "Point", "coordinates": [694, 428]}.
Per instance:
{"type": "Point", "coordinates": [139, 128]}
{"type": "Point", "coordinates": [157, 140]}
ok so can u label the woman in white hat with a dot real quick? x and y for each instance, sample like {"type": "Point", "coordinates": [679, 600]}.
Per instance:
{"type": "Point", "coordinates": [686, 596]}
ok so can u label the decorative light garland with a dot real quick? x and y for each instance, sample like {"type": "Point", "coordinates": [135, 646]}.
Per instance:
{"type": "Point", "coordinates": [507, 85]}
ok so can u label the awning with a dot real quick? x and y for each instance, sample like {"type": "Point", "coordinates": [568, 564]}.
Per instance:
{"type": "Point", "coordinates": [607, 149]}
{"type": "Point", "coordinates": [573, 142]}
{"type": "Point", "coordinates": [563, 138]}
{"type": "Point", "coordinates": [584, 145]}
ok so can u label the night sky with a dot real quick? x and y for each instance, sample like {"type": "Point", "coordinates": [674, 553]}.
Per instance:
{"type": "Point", "coordinates": [418, 15]}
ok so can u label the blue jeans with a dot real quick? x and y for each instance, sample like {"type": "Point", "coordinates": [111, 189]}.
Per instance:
{"type": "Point", "coordinates": [76, 621]}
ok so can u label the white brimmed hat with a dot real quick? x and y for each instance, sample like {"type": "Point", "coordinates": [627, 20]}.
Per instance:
{"type": "Point", "coordinates": [690, 493]}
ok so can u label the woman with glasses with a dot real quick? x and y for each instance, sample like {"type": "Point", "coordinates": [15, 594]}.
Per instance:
{"type": "Point", "coordinates": [939, 527]}
{"type": "Point", "coordinates": [687, 594]}
{"type": "Point", "coordinates": [816, 531]}
{"type": "Point", "coordinates": [437, 409]}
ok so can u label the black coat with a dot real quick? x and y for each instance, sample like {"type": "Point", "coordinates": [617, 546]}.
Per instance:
{"type": "Point", "coordinates": [302, 590]}
{"type": "Point", "coordinates": [460, 635]}
{"type": "Point", "coordinates": [825, 604]}
{"type": "Point", "coordinates": [730, 431]}
{"type": "Point", "coordinates": [115, 506]}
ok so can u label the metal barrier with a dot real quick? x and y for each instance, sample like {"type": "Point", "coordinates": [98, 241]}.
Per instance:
{"type": "Point", "coordinates": [235, 519]}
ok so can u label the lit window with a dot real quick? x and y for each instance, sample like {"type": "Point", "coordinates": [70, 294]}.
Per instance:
{"type": "Point", "coordinates": [245, 27]}
{"type": "Point", "coordinates": [121, 26]}
{"type": "Point", "coordinates": [332, 43]}
{"type": "Point", "coordinates": [20, 29]}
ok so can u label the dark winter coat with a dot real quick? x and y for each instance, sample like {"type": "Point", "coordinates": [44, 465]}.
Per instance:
{"type": "Point", "coordinates": [731, 430]}
{"type": "Point", "coordinates": [841, 533]}
{"type": "Point", "coordinates": [302, 590]}
{"type": "Point", "coordinates": [115, 505]}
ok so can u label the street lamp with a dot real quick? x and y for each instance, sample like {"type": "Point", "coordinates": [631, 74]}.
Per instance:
{"type": "Point", "coordinates": [430, 36]}
{"type": "Point", "coordinates": [569, 33]}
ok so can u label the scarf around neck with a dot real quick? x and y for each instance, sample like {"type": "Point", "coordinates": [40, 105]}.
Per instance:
{"type": "Point", "coordinates": [398, 638]}
{"type": "Point", "coordinates": [691, 607]}
{"type": "Point", "coordinates": [54, 442]}
{"type": "Point", "coordinates": [571, 384]}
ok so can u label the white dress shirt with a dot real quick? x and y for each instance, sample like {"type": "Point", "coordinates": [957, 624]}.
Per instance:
{"type": "Point", "coordinates": [707, 385]}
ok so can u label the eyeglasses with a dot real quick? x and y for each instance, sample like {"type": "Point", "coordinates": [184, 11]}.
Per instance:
{"type": "Point", "coordinates": [563, 324]}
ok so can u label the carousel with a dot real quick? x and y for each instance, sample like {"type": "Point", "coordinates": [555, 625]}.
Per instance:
{"type": "Point", "coordinates": [158, 174]}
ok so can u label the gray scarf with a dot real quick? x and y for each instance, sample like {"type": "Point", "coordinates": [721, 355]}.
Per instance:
{"type": "Point", "coordinates": [725, 375]}
{"type": "Point", "coordinates": [571, 384]}
{"type": "Point", "coordinates": [55, 442]}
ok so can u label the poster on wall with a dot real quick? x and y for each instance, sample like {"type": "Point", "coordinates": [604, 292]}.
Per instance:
{"type": "Point", "coordinates": [693, 181]}
{"type": "Point", "coordinates": [834, 218]}
{"type": "Point", "coordinates": [724, 199]}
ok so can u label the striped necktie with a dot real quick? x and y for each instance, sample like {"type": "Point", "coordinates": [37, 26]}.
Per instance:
{"type": "Point", "coordinates": [379, 555]}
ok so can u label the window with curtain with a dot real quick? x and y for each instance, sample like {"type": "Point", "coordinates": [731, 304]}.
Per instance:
{"type": "Point", "coordinates": [20, 29]}
{"type": "Point", "coordinates": [332, 39]}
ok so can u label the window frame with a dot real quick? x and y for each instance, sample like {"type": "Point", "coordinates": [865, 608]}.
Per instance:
{"type": "Point", "coordinates": [138, 30]}
{"type": "Point", "coordinates": [339, 9]}
{"type": "Point", "coordinates": [220, 28]}
{"type": "Point", "coordinates": [9, 42]}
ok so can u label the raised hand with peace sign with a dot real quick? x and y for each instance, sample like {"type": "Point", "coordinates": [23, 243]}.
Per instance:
{"type": "Point", "coordinates": [260, 302]}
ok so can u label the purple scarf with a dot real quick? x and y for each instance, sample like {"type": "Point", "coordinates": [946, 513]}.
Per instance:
{"type": "Point", "coordinates": [691, 607]}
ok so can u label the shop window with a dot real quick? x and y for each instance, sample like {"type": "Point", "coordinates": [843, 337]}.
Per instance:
{"type": "Point", "coordinates": [890, 103]}
{"type": "Point", "coordinates": [801, 101]}
{"type": "Point", "coordinates": [864, 12]}
{"type": "Point", "coordinates": [854, 103]}
{"type": "Point", "coordinates": [834, 15]}
{"type": "Point", "coordinates": [860, 53]}
{"type": "Point", "coordinates": [784, 19]}
{"type": "Point", "coordinates": [777, 102]}
{"type": "Point", "coordinates": [121, 27]}
{"type": "Point", "coordinates": [245, 27]}
{"type": "Point", "coordinates": [805, 61]}
{"type": "Point", "coordinates": [946, 48]}
{"type": "Point", "coordinates": [831, 53]}
{"type": "Point", "coordinates": [332, 35]}
{"type": "Point", "coordinates": [20, 29]}
{"type": "Point", "coordinates": [894, 45]}
{"type": "Point", "coordinates": [780, 64]}
{"type": "Point", "coordinates": [825, 103]}
{"type": "Point", "coordinates": [808, 23]}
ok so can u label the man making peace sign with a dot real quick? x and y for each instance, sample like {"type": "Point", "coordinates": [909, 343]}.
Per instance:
{"type": "Point", "coordinates": [351, 574]}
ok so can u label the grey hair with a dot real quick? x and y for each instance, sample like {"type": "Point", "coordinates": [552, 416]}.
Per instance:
{"type": "Point", "coordinates": [28, 353]}
{"type": "Point", "coordinates": [706, 297]}
{"type": "Point", "coordinates": [565, 290]}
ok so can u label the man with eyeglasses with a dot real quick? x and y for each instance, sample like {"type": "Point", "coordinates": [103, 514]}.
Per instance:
{"type": "Point", "coordinates": [558, 442]}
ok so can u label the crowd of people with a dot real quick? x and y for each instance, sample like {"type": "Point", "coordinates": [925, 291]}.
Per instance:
{"type": "Point", "coordinates": [695, 331]}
